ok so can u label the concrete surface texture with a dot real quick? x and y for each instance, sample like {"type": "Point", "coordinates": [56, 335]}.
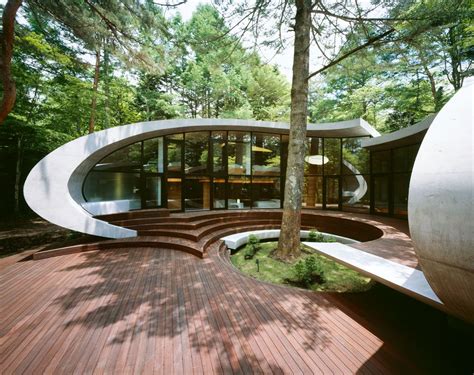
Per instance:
{"type": "Point", "coordinates": [440, 204]}
{"type": "Point", "coordinates": [53, 189]}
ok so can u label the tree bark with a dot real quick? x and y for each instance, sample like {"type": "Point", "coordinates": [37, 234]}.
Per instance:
{"type": "Point", "coordinates": [289, 242]}
{"type": "Point", "coordinates": [106, 88]}
{"type": "Point", "coordinates": [94, 92]}
{"type": "Point", "coordinates": [19, 154]}
{"type": "Point", "coordinates": [7, 39]}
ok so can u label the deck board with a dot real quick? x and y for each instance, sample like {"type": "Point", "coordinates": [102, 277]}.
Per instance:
{"type": "Point", "coordinates": [161, 311]}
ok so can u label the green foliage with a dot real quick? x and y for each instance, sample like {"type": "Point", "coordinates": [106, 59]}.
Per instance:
{"type": "Point", "coordinates": [308, 272]}
{"type": "Point", "coordinates": [315, 236]}
{"type": "Point", "coordinates": [252, 247]}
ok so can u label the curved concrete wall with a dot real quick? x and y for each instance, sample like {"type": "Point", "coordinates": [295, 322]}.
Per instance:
{"type": "Point", "coordinates": [53, 188]}
{"type": "Point", "coordinates": [440, 205]}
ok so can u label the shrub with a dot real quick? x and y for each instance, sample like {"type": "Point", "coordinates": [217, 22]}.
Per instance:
{"type": "Point", "coordinates": [253, 245]}
{"type": "Point", "coordinates": [315, 236]}
{"type": "Point", "coordinates": [308, 271]}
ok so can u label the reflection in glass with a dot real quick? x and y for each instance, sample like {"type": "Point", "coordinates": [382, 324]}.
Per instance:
{"type": "Point", "coordinates": [126, 159]}
{"type": "Point", "coordinates": [197, 193]}
{"type": "Point", "coordinates": [314, 146]}
{"type": "Point", "coordinates": [113, 186]}
{"type": "Point", "coordinates": [266, 154]}
{"type": "Point", "coordinates": [381, 161]}
{"type": "Point", "coordinates": [174, 147]}
{"type": "Point", "coordinates": [401, 183]}
{"type": "Point", "coordinates": [173, 192]}
{"type": "Point", "coordinates": [238, 153]}
{"type": "Point", "coordinates": [355, 193]}
{"type": "Point", "coordinates": [355, 158]}
{"type": "Point", "coordinates": [332, 150]}
{"type": "Point", "coordinates": [238, 192]}
{"type": "Point", "coordinates": [266, 192]}
{"type": "Point", "coordinates": [313, 192]}
{"type": "Point", "coordinates": [153, 191]}
{"type": "Point", "coordinates": [218, 192]}
{"type": "Point", "coordinates": [332, 193]}
{"type": "Point", "coordinates": [218, 156]}
{"type": "Point", "coordinates": [153, 155]}
{"type": "Point", "coordinates": [404, 158]}
{"type": "Point", "coordinates": [381, 194]}
{"type": "Point", "coordinates": [196, 152]}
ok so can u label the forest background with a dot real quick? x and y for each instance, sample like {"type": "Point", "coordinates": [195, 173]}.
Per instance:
{"type": "Point", "coordinates": [74, 75]}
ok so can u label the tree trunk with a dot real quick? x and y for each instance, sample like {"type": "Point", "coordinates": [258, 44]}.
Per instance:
{"type": "Point", "coordinates": [19, 154]}
{"type": "Point", "coordinates": [94, 92]}
{"type": "Point", "coordinates": [106, 89]}
{"type": "Point", "coordinates": [456, 78]}
{"type": "Point", "coordinates": [289, 242]}
{"type": "Point", "coordinates": [7, 38]}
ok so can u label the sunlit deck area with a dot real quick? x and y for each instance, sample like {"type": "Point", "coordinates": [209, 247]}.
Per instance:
{"type": "Point", "coordinates": [156, 310]}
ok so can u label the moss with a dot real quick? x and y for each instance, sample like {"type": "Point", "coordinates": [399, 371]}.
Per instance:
{"type": "Point", "coordinates": [338, 278]}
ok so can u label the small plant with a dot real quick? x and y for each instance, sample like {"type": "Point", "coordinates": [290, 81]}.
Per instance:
{"type": "Point", "coordinates": [315, 236]}
{"type": "Point", "coordinates": [308, 271]}
{"type": "Point", "coordinates": [252, 247]}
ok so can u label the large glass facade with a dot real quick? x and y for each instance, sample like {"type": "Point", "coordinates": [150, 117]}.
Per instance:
{"type": "Point", "coordinates": [391, 171]}
{"type": "Point", "coordinates": [220, 169]}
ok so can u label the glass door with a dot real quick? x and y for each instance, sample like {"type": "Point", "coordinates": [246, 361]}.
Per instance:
{"type": "Point", "coordinates": [332, 199]}
{"type": "Point", "coordinates": [153, 191]}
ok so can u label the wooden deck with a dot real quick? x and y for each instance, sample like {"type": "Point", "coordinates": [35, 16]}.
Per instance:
{"type": "Point", "coordinates": [155, 310]}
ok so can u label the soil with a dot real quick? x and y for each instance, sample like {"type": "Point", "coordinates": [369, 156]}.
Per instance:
{"type": "Point", "coordinates": [35, 234]}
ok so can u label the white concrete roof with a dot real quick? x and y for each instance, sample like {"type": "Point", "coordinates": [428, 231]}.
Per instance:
{"type": "Point", "coordinates": [402, 137]}
{"type": "Point", "coordinates": [53, 189]}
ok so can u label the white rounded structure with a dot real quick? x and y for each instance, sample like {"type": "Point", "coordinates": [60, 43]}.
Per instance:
{"type": "Point", "coordinates": [440, 205]}
{"type": "Point", "coordinates": [53, 188]}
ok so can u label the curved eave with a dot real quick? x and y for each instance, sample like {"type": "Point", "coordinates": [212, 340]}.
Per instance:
{"type": "Point", "coordinates": [403, 137]}
{"type": "Point", "coordinates": [53, 189]}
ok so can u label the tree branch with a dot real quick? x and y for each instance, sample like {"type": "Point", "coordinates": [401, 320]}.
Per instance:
{"type": "Point", "coordinates": [352, 51]}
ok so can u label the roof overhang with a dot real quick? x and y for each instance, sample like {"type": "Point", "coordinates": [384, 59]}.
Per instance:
{"type": "Point", "coordinates": [403, 137]}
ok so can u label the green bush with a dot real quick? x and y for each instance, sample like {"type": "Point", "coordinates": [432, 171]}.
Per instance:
{"type": "Point", "coordinates": [252, 247]}
{"type": "Point", "coordinates": [308, 272]}
{"type": "Point", "coordinates": [315, 236]}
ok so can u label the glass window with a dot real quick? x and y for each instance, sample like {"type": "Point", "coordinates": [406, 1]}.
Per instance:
{"type": "Point", "coordinates": [113, 186]}
{"type": "Point", "coordinates": [266, 192]}
{"type": "Point", "coordinates": [332, 151]}
{"type": "Point", "coordinates": [332, 193]}
{"type": "Point", "coordinates": [173, 192]}
{"type": "Point", "coordinates": [355, 193]}
{"type": "Point", "coordinates": [381, 194]}
{"type": "Point", "coordinates": [218, 192]}
{"type": "Point", "coordinates": [313, 192]}
{"type": "Point", "coordinates": [401, 183]}
{"type": "Point", "coordinates": [196, 153]}
{"type": "Point", "coordinates": [218, 152]}
{"type": "Point", "coordinates": [238, 192]}
{"type": "Point", "coordinates": [152, 191]}
{"type": "Point", "coordinates": [381, 161]}
{"type": "Point", "coordinates": [125, 159]}
{"type": "Point", "coordinates": [153, 155]}
{"type": "Point", "coordinates": [355, 158]}
{"type": "Point", "coordinates": [266, 155]}
{"type": "Point", "coordinates": [404, 158]}
{"type": "Point", "coordinates": [174, 147]}
{"type": "Point", "coordinates": [314, 156]}
{"type": "Point", "coordinates": [238, 153]}
{"type": "Point", "coordinates": [197, 195]}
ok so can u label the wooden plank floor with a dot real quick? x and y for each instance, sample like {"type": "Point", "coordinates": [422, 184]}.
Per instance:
{"type": "Point", "coordinates": [167, 312]}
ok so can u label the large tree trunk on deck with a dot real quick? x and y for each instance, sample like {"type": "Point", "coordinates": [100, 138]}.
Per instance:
{"type": "Point", "coordinates": [289, 243]}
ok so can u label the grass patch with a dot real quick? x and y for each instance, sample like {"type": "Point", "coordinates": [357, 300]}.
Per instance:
{"type": "Point", "coordinates": [338, 277]}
